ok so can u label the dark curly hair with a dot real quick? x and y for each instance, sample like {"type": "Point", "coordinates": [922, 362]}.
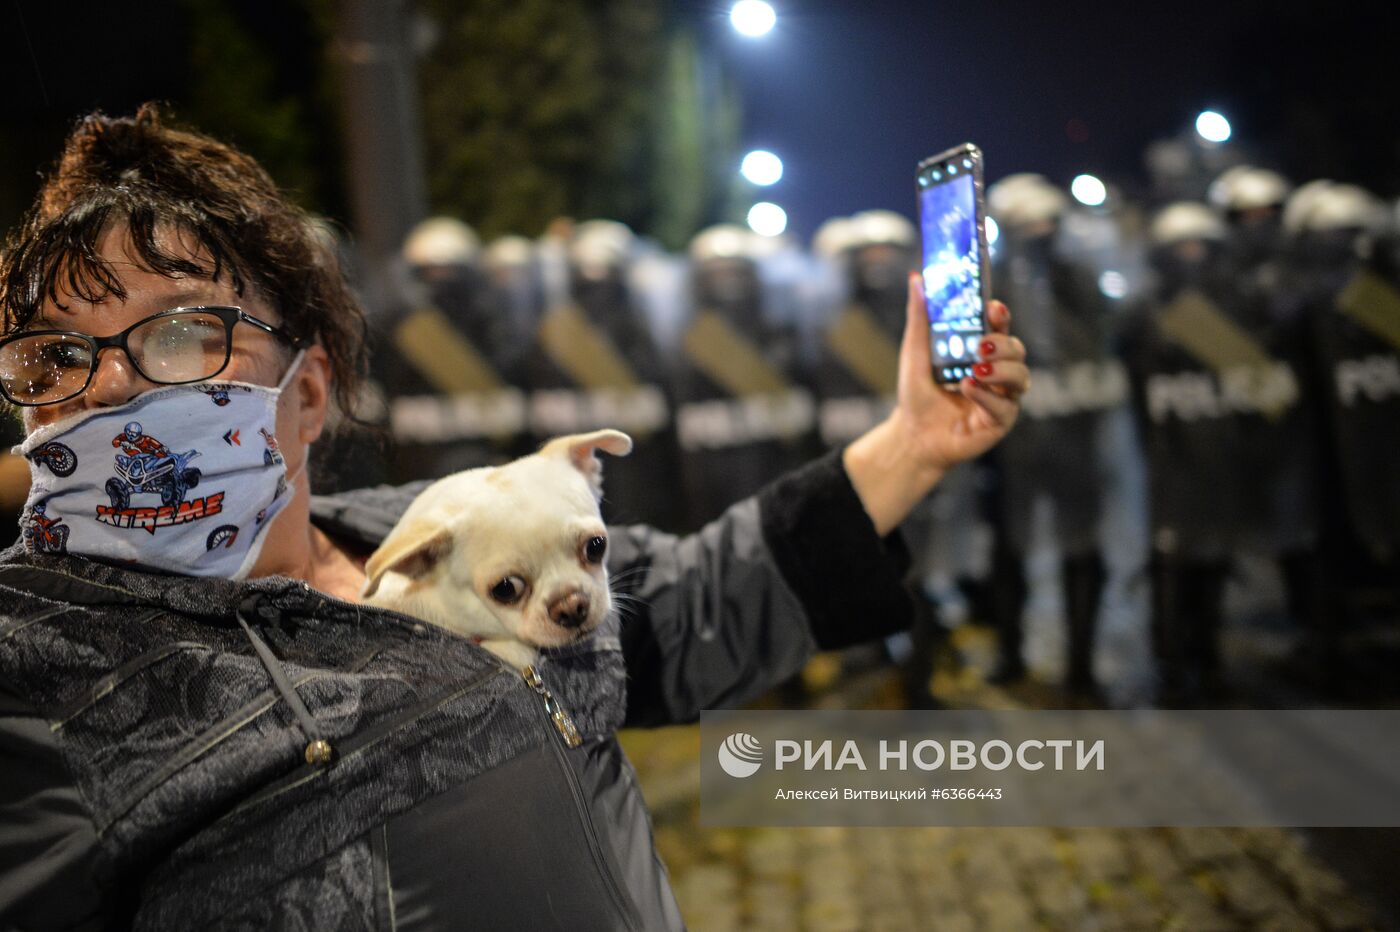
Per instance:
{"type": "Point", "coordinates": [154, 178]}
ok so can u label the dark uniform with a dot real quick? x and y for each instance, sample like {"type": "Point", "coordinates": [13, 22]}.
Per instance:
{"type": "Point", "coordinates": [450, 363]}
{"type": "Point", "coordinates": [1251, 200]}
{"type": "Point", "coordinates": [592, 364]}
{"type": "Point", "coordinates": [1210, 396]}
{"type": "Point", "coordinates": [1351, 309]}
{"type": "Point", "coordinates": [743, 415]}
{"type": "Point", "coordinates": [855, 379]}
{"type": "Point", "coordinates": [1053, 453]}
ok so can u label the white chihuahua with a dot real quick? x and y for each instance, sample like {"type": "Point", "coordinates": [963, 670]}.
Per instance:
{"type": "Point", "coordinates": [511, 556]}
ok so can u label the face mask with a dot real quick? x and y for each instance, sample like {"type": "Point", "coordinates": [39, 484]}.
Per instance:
{"type": "Point", "coordinates": [184, 479]}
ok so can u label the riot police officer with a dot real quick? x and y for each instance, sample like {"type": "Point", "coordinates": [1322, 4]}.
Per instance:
{"type": "Point", "coordinates": [1346, 279]}
{"type": "Point", "coordinates": [593, 363]}
{"type": "Point", "coordinates": [1207, 392]}
{"type": "Point", "coordinates": [514, 283]}
{"type": "Point", "coordinates": [854, 380]}
{"type": "Point", "coordinates": [1053, 457]}
{"type": "Point", "coordinates": [449, 365]}
{"type": "Point", "coordinates": [743, 415]}
{"type": "Point", "coordinates": [1251, 200]}
{"type": "Point", "coordinates": [855, 375]}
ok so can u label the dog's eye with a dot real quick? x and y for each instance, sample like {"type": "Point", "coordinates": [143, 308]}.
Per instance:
{"type": "Point", "coordinates": [509, 590]}
{"type": "Point", "coordinates": [595, 549]}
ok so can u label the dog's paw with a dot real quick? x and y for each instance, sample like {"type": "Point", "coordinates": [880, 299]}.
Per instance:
{"type": "Point", "coordinates": [514, 653]}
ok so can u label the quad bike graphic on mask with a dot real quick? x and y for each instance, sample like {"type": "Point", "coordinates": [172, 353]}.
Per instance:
{"type": "Point", "coordinates": [147, 466]}
{"type": "Point", "coordinates": [60, 460]}
{"type": "Point", "coordinates": [43, 534]}
{"type": "Point", "coordinates": [219, 393]}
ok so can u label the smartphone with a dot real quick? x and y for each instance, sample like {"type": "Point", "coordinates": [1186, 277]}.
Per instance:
{"type": "Point", "coordinates": [952, 221]}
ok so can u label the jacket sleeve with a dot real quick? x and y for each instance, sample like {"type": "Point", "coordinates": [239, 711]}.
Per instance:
{"type": "Point", "coordinates": [715, 618]}
{"type": "Point", "coordinates": [48, 843]}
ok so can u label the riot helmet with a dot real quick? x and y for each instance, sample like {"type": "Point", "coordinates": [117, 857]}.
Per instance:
{"type": "Point", "coordinates": [833, 239]}
{"type": "Point", "coordinates": [881, 244]}
{"type": "Point", "coordinates": [1251, 199]}
{"type": "Point", "coordinates": [1332, 223]}
{"type": "Point", "coordinates": [441, 247]}
{"type": "Point", "coordinates": [1186, 241]}
{"type": "Point", "coordinates": [725, 268]}
{"type": "Point", "coordinates": [601, 249]}
{"type": "Point", "coordinates": [509, 254]}
{"type": "Point", "coordinates": [1026, 206]}
{"type": "Point", "coordinates": [600, 254]}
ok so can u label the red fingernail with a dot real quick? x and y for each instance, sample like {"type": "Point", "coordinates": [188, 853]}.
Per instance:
{"type": "Point", "coordinates": [986, 347]}
{"type": "Point", "coordinates": [982, 370]}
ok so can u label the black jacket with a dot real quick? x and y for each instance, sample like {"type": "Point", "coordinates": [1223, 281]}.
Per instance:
{"type": "Point", "coordinates": [152, 768]}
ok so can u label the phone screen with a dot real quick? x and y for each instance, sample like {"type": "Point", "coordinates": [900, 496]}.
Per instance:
{"type": "Point", "coordinates": [952, 263]}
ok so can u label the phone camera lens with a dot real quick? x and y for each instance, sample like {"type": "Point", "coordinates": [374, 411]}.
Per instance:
{"type": "Point", "coordinates": [937, 175]}
{"type": "Point", "coordinates": [967, 163]}
{"type": "Point", "coordinates": [952, 169]}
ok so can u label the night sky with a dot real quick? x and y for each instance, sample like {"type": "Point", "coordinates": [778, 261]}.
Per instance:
{"type": "Point", "coordinates": [852, 93]}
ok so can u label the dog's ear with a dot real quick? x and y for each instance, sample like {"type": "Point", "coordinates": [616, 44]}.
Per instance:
{"type": "Point", "coordinates": [580, 451]}
{"type": "Point", "coordinates": [413, 549]}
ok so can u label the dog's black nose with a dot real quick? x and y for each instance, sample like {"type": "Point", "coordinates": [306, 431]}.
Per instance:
{"type": "Point", "coordinates": [569, 611]}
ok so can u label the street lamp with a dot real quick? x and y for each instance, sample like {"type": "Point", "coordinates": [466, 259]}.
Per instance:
{"type": "Point", "coordinates": [762, 168]}
{"type": "Point", "coordinates": [767, 219]}
{"type": "Point", "coordinates": [1088, 190]}
{"type": "Point", "coordinates": [753, 18]}
{"type": "Point", "coordinates": [1212, 126]}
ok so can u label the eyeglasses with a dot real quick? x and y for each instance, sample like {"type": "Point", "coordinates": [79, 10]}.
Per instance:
{"type": "Point", "coordinates": [184, 344]}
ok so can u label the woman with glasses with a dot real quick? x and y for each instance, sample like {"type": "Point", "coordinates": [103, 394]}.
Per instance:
{"type": "Point", "coordinates": [200, 726]}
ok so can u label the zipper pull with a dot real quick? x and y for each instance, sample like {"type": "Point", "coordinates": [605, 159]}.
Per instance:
{"type": "Point", "coordinates": [562, 722]}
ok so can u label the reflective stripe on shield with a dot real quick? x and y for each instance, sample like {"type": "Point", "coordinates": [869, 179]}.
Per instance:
{"type": "Point", "coordinates": [730, 360]}
{"type": "Point", "coordinates": [583, 351]}
{"type": "Point", "coordinates": [865, 350]}
{"type": "Point", "coordinates": [443, 356]}
{"type": "Point", "coordinates": [1374, 304]}
{"type": "Point", "coordinates": [1194, 323]}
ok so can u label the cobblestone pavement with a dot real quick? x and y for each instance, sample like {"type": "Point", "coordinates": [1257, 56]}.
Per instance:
{"type": "Point", "coordinates": [830, 879]}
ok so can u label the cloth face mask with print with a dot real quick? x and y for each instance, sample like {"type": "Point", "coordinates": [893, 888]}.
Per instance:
{"type": "Point", "coordinates": [184, 479]}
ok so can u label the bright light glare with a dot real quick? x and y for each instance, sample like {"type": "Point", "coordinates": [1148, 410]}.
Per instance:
{"type": "Point", "coordinates": [1113, 284]}
{"type": "Point", "coordinates": [752, 17]}
{"type": "Point", "coordinates": [761, 167]}
{"type": "Point", "coordinates": [1088, 190]}
{"type": "Point", "coordinates": [767, 219]}
{"type": "Point", "coordinates": [1212, 126]}
{"type": "Point", "coordinates": [993, 231]}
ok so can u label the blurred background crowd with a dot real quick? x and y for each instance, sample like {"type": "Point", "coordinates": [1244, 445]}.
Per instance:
{"type": "Point", "coordinates": [1215, 394]}
{"type": "Point", "coordinates": [693, 223]}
